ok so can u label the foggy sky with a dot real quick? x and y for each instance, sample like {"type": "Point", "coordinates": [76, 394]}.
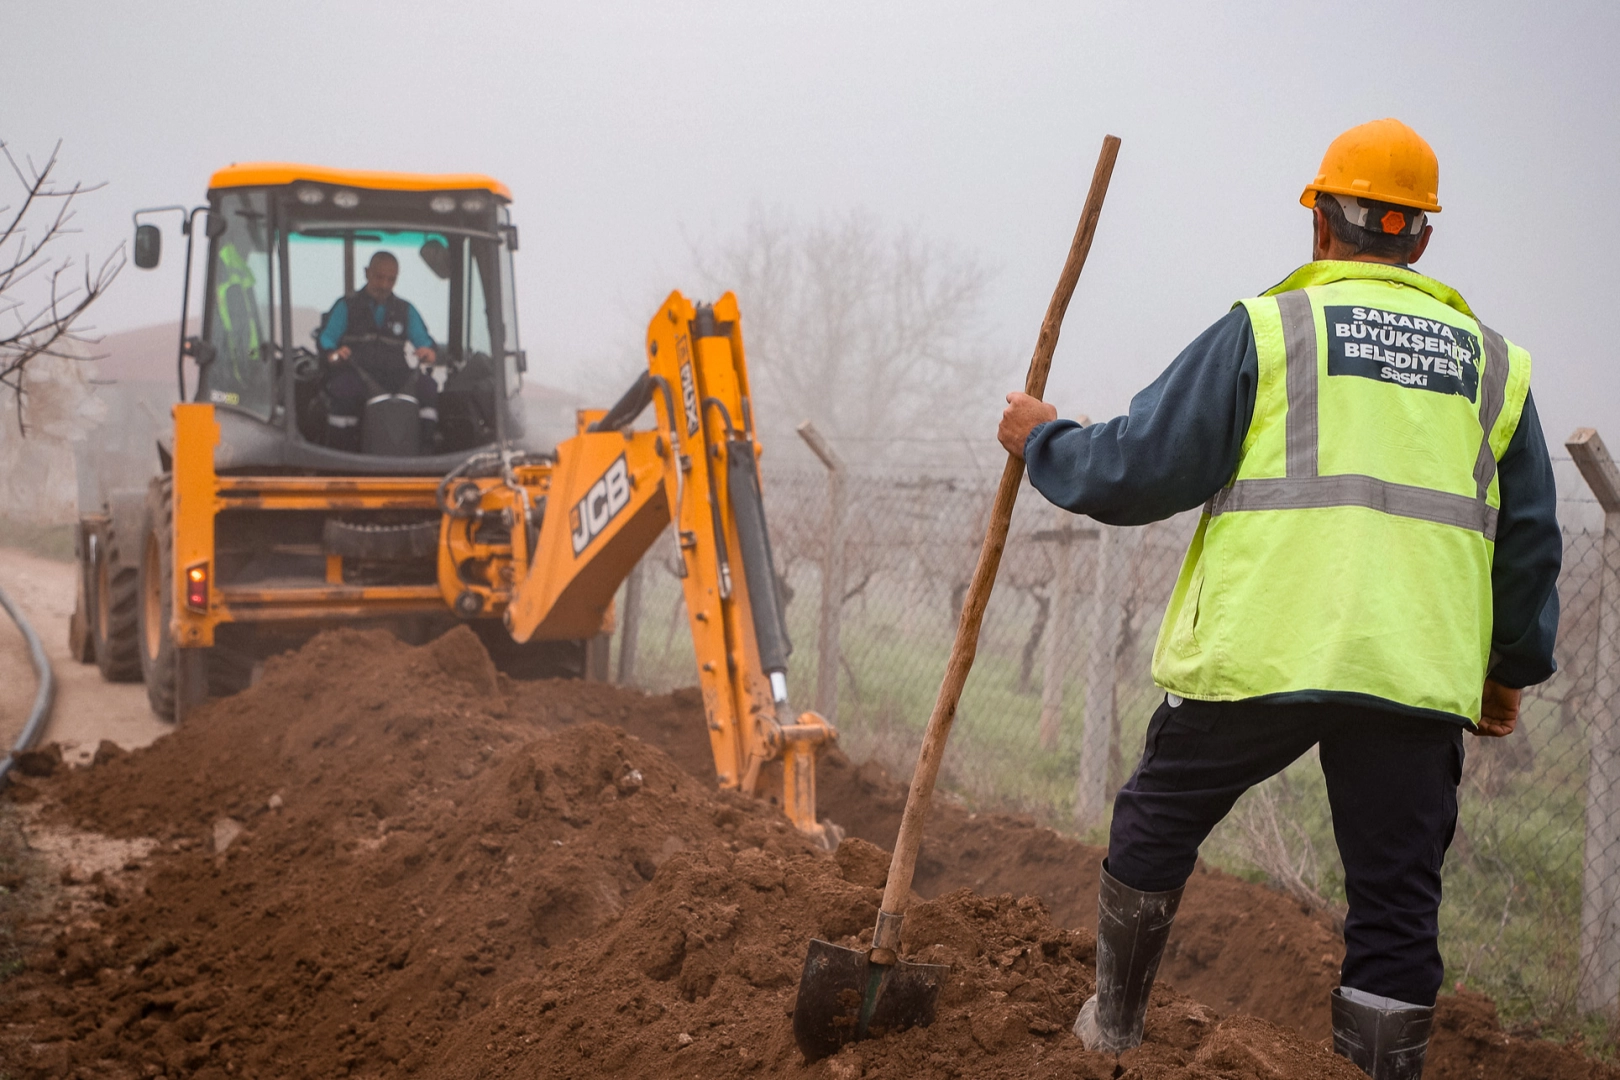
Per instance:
{"type": "Point", "coordinates": [629, 132]}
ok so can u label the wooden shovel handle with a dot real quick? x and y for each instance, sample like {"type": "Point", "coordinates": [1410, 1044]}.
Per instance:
{"type": "Point", "coordinates": [904, 863]}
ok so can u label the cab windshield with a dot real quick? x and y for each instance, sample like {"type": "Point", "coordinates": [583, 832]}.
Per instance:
{"type": "Point", "coordinates": [281, 265]}
{"type": "Point", "coordinates": [453, 280]}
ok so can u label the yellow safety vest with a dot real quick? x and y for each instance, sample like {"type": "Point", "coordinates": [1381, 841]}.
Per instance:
{"type": "Point", "coordinates": [1351, 551]}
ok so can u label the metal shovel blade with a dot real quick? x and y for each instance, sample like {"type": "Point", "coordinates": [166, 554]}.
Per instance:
{"type": "Point", "coordinates": [843, 997]}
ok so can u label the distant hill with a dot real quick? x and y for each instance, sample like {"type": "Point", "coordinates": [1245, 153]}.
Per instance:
{"type": "Point", "coordinates": [144, 354]}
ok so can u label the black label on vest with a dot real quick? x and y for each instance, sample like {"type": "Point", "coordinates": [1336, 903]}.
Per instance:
{"type": "Point", "coordinates": [1406, 350]}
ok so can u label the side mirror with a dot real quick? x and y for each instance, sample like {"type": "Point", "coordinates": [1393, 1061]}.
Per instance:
{"type": "Point", "coordinates": [203, 352]}
{"type": "Point", "coordinates": [511, 236]}
{"type": "Point", "coordinates": [437, 257]}
{"type": "Point", "coordinates": [148, 246]}
{"type": "Point", "coordinates": [216, 225]}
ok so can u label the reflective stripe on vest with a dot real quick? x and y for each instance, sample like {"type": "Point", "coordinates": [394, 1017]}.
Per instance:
{"type": "Point", "coordinates": [1304, 489]}
{"type": "Point", "coordinates": [1351, 553]}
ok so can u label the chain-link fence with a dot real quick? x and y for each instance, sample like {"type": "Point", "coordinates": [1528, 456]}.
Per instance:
{"type": "Point", "coordinates": [1054, 715]}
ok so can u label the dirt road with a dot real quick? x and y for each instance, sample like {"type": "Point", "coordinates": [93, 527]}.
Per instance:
{"type": "Point", "coordinates": [87, 709]}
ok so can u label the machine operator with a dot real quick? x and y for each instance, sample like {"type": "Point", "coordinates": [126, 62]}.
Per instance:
{"type": "Point", "coordinates": [1373, 574]}
{"type": "Point", "coordinates": [370, 328]}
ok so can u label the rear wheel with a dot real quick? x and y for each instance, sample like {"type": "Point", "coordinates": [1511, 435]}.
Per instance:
{"type": "Point", "coordinates": [114, 601]}
{"type": "Point", "coordinates": [156, 607]}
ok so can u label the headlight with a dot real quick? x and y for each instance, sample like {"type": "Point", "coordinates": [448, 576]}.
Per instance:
{"type": "Point", "coordinates": [442, 204]}
{"type": "Point", "coordinates": [473, 205]}
{"type": "Point", "coordinates": [346, 200]}
{"type": "Point", "coordinates": [311, 196]}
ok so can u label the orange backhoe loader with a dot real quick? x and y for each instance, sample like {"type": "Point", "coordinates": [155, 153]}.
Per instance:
{"type": "Point", "coordinates": [267, 520]}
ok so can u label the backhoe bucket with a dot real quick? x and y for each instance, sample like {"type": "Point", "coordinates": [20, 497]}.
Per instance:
{"type": "Point", "coordinates": [843, 997]}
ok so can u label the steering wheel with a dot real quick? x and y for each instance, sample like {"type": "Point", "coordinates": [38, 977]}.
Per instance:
{"type": "Point", "coordinates": [306, 365]}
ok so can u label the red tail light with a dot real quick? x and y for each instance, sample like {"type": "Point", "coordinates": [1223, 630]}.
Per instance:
{"type": "Point", "coordinates": [197, 587]}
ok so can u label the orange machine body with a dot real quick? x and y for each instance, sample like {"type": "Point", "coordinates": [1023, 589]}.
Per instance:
{"type": "Point", "coordinates": [543, 546]}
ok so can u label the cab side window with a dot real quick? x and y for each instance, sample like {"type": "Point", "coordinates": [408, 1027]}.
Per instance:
{"type": "Point", "coordinates": [237, 310]}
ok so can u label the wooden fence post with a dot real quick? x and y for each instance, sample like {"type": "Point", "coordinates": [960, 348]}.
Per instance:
{"type": "Point", "coordinates": [1091, 788]}
{"type": "Point", "coordinates": [1600, 890]}
{"type": "Point", "coordinates": [630, 625]}
{"type": "Point", "coordinates": [832, 575]}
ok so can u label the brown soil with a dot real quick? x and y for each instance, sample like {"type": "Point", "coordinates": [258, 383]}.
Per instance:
{"type": "Point", "coordinates": [699, 975]}
{"type": "Point", "coordinates": [384, 860]}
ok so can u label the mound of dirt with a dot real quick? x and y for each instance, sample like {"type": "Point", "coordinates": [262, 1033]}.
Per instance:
{"type": "Point", "coordinates": [1468, 1041]}
{"type": "Point", "coordinates": [383, 860]}
{"type": "Point", "coordinates": [1224, 927]}
{"type": "Point", "coordinates": [698, 979]}
{"type": "Point", "coordinates": [356, 853]}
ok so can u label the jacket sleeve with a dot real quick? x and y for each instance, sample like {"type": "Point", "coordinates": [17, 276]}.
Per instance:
{"type": "Point", "coordinates": [1178, 445]}
{"type": "Point", "coordinates": [1529, 552]}
{"type": "Point", "coordinates": [416, 329]}
{"type": "Point", "coordinates": [335, 325]}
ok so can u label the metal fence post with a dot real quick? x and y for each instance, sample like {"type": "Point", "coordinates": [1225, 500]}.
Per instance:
{"type": "Point", "coordinates": [630, 624]}
{"type": "Point", "coordinates": [1091, 788]}
{"type": "Point", "coordinates": [832, 575]}
{"type": "Point", "coordinates": [1600, 889]}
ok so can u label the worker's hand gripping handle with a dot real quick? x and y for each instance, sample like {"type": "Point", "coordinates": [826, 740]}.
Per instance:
{"type": "Point", "coordinates": [886, 937]}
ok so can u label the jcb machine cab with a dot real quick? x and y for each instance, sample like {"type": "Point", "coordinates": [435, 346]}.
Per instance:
{"type": "Point", "coordinates": [288, 251]}
{"type": "Point", "coordinates": [349, 450]}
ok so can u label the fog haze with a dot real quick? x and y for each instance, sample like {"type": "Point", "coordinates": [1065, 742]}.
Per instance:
{"type": "Point", "coordinates": [632, 134]}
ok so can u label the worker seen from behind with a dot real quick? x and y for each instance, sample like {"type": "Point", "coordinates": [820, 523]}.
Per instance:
{"type": "Point", "coordinates": [364, 336]}
{"type": "Point", "coordinates": [1373, 574]}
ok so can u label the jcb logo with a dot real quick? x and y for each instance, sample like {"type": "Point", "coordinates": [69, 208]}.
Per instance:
{"type": "Point", "coordinates": [609, 495]}
{"type": "Point", "coordinates": [688, 386]}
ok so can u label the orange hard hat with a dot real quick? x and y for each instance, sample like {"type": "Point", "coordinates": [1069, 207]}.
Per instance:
{"type": "Point", "coordinates": [1383, 160]}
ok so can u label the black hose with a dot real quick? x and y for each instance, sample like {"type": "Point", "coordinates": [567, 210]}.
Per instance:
{"type": "Point", "coordinates": [41, 714]}
{"type": "Point", "coordinates": [622, 413]}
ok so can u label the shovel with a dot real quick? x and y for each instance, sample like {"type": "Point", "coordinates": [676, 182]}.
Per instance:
{"type": "Point", "coordinates": [850, 994]}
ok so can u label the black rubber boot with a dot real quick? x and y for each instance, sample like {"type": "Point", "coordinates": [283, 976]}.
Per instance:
{"type": "Point", "coordinates": [1385, 1043]}
{"type": "Point", "coordinates": [1132, 928]}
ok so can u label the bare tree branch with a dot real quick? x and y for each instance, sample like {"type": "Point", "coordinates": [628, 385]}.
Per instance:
{"type": "Point", "coordinates": [45, 319]}
{"type": "Point", "coordinates": [870, 331]}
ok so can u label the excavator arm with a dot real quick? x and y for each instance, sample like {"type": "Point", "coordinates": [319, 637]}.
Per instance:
{"type": "Point", "coordinates": [587, 519]}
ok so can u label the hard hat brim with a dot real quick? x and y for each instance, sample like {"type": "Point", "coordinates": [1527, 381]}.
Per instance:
{"type": "Point", "coordinates": [1308, 197]}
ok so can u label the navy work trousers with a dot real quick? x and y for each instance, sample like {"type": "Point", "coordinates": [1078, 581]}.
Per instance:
{"type": "Point", "coordinates": [348, 393]}
{"type": "Point", "coordinates": [1392, 787]}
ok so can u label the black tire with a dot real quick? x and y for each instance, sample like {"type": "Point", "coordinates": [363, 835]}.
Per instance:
{"type": "Point", "coordinates": [155, 590]}
{"type": "Point", "coordinates": [230, 661]}
{"type": "Point", "coordinates": [114, 600]}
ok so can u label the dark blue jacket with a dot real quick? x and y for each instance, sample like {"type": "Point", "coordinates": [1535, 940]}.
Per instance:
{"type": "Point", "coordinates": [1181, 441]}
{"type": "Point", "coordinates": [336, 323]}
